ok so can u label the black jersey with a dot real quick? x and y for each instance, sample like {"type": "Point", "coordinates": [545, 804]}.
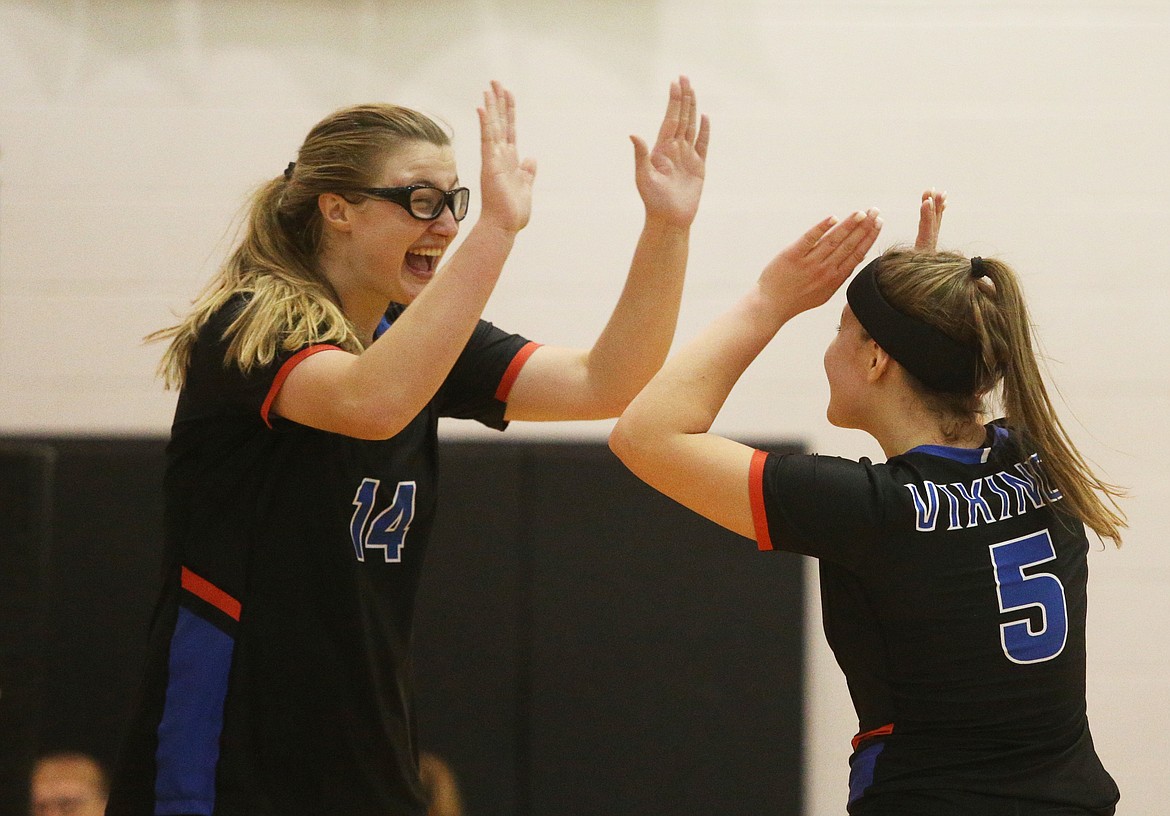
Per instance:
{"type": "Point", "coordinates": [278, 680]}
{"type": "Point", "coordinates": [953, 597]}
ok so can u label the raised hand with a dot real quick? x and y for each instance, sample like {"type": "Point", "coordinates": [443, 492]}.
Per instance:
{"type": "Point", "coordinates": [929, 220]}
{"type": "Point", "coordinates": [807, 273]}
{"type": "Point", "coordinates": [670, 177]}
{"type": "Point", "coordinates": [505, 178]}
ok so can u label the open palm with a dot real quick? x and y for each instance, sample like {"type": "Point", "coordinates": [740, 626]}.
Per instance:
{"type": "Point", "coordinates": [807, 272]}
{"type": "Point", "coordinates": [506, 179]}
{"type": "Point", "coordinates": [670, 177]}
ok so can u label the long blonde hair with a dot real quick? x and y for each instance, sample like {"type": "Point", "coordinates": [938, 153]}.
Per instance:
{"type": "Point", "coordinates": [289, 303]}
{"type": "Point", "coordinates": [988, 313]}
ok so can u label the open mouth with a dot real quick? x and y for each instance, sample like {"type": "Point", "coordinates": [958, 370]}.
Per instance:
{"type": "Point", "coordinates": [422, 262]}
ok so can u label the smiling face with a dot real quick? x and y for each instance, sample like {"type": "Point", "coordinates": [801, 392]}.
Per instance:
{"type": "Point", "coordinates": [377, 252]}
{"type": "Point", "coordinates": [401, 252]}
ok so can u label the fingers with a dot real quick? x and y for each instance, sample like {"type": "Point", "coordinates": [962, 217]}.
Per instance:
{"type": "Point", "coordinates": [927, 226]}
{"type": "Point", "coordinates": [860, 242]}
{"type": "Point", "coordinates": [670, 122]}
{"type": "Point", "coordinates": [689, 110]}
{"type": "Point", "coordinates": [487, 118]}
{"type": "Point", "coordinates": [682, 121]}
{"type": "Point", "coordinates": [813, 237]}
{"type": "Point", "coordinates": [498, 115]}
{"type": "Point", "coordinates": [938, 199]}
{"type": "Point", "coordinates": [929, 219]}
{"type": "Point", "coordinates": [832, 240]}
{"type": "Point", "coordinates": [809, 271]}
{"type": "Point", "coordinates": [844, 245]}
{"type": "Point", "coordinates": [641, 151]}
{"type": "Point", "coordinates": [703, 138]}
{"type": "Point", "coordinates": [509, 111]}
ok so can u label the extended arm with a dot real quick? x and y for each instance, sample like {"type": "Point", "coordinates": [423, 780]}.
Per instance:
{"type": "Point", "coordinates": [375, 394]}
{"type": "Point", "coordinates": [562, 383]}
{"type": "Point", "coordinates": [664, 436]}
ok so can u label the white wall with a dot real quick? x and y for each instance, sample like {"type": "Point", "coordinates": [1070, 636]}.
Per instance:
{"type": "Point", "coordinates": [131, 130]}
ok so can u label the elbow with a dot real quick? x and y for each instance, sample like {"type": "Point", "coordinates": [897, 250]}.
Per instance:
{"type": "Point", "coordinates": [375, 420]}
{"type": "Point", "coordinates": [373, 430]}
{"type": "Point", "coordinates": [618, 441]}
{"type": "Point", "coordinates": [624, 443]}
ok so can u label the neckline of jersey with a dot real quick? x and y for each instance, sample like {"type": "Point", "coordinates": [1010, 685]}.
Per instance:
{"type": "Point", "coordinates": [968, 456]}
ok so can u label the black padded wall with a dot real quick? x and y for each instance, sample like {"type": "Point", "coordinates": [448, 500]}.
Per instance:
{"type": "Point", "coordinates": [658, 656]}
{"type": "Point", "coordinates": [583, 645]}
{"type": "Point", "coordinates": [101, 565]}
{"type": "Point", "coordinates": [26, 472]}
{"type": "Point", "coordinates": [473, 626]}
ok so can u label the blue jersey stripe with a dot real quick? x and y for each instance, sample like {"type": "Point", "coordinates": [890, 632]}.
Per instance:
{"type": "Point", "coordinates": [861, 769]}
{"type": "Point", "coordinates": [188, 735]}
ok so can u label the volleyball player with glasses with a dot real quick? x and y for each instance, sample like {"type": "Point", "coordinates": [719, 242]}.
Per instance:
{"type": "Point", "coordinates": [300, 486]}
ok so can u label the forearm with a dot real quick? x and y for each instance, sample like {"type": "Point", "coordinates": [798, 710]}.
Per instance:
{"type": "Point", "coordinates": [404, 368]}
{"type": "Point", "coordinates": [664, 436]}
{"type": "Point", "coordinates": [689, 391]}
{"type": "Point", "coordinates": [417, 353]}
{"type": "Point", "coordinates": [637, 337]}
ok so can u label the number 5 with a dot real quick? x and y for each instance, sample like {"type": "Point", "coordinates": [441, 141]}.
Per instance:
{"type": "Point", "coordinates": [1018, 591]}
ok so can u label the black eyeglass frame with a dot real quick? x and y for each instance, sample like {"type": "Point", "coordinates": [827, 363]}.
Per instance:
{"type": "Point", "coordinates": [455, 199]}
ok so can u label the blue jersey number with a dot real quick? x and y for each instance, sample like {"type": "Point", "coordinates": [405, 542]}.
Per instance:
{"type": "Point", "coordinates": [387, 532]}
{"type": "Point", "coordinates": [1018, 592]}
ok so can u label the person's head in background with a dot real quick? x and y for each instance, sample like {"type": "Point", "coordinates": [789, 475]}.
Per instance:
{"type": "Point", "coordinates": [68, 784]}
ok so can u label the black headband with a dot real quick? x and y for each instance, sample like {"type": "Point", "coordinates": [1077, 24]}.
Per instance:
{"type": "Point", "coordinates": [938, 360]}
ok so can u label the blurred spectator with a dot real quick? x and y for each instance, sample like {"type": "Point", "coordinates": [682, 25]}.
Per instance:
{"type": "Point", "coordinates": [68, 784]}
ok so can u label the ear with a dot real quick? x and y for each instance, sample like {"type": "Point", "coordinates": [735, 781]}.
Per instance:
{"type": "Point", "coordinates": [335, 212]}
{"type": "Point", "coordinates": [878, 362]}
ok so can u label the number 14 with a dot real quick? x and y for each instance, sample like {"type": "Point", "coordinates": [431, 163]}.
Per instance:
{"type": "Point", "coordinates": [387, 532]}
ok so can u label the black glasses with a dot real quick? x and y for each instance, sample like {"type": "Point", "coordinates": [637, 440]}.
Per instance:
{"type": "Point", "coordinates": [423, 201]}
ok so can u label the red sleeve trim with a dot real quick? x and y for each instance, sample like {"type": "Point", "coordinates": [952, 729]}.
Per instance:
{"type": "Point", "coordinates": [513, 371]}
{"type": "Point", "coordinates": [756, 491]}
{"type": "Point", "coordinates": [205, 590]}
{"type": "Point", "coordinates": [282, 375]}
{"type": "Point", "coordinates": [883, 731]}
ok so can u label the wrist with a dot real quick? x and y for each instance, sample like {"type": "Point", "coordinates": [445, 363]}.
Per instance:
{"type": "Point", "coordinates": [771, 308]}
{"type": "Point", "coordinates": [506, 228]}
{"type": "Point", "coordinates": [667, 226]}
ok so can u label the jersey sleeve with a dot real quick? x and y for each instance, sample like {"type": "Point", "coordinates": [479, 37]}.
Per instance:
{"type": "Point", "coordinates": [215, 388]}
{"type": "Point", "coordinates": [478, 385]}
{"type": "Point", "coordinates": [822, 506]}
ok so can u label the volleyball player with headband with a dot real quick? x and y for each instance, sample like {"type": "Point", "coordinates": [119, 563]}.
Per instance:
{"type": "Point", "coordinates": [953, 575]}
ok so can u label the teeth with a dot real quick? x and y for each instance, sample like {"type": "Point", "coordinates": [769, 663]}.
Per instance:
{"type": "Point", "coordinates": [430, 252]}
